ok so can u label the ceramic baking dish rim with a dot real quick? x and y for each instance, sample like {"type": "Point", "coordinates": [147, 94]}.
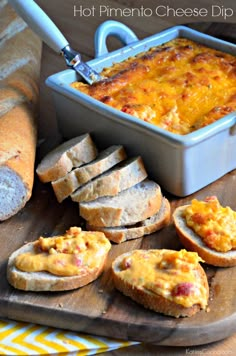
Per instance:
{"type": "Point", "coordinates": [59, 82]}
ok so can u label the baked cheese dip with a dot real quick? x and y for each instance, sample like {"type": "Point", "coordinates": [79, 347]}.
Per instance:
{"type": "Point", "coordinates": [171, 274]}
{"type": "Point", "coordinates": [216, 225]}
{"type": "Point", "coordinates": [180, 86]}
{"type": "Point", "coordinates": [71, 254]}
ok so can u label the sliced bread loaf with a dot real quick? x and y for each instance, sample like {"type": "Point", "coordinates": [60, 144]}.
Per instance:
{"type": "Point", "coordinates": [128, 207]}
{"type": "Point", "coordinates": [146, 227]}
{"type": "Point", "coordinates": [65, 186]}
{"type": "Point", "coordinates": [73, 153]}
{"type": "Point", "coordinates": [124, 176]}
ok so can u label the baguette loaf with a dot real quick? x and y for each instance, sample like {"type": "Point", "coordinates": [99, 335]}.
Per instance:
{"type": "Point", "coordinates": [108, 158]}
{"type": "Point", "coordinates": [128, 207]}
{"type": "Point", "coordinates": [127, 174]}
{"type": "Point", "coordinates": [142, 275]}
{"type": "Point", "coordinates": [146, 227]}
{"type": "Point", "coordinates": [19, 93]}
{"type": "Point", "coordinates": [86, 270]}
{"type": "Point", "coordinates": [72, 153]}
{"type": "Point", "coordinates": [192, 242]}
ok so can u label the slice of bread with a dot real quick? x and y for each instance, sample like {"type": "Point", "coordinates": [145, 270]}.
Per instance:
{"type": "Point", "coordinates": [193, 242]}
{"type": "Point", "coordinates": [45, 281]}
{"type": "Point", "coordinates": [145, 291]}
{"type": "Point", "coordinates": [128, 207]}
{"type": "Point", "coordinates": [73, 153]}
{"type": "Point", "coordinates": [146, 227]}
{"type": "Point", "coordinates": [127, 174]}
{"type": "Point", "coordinates": [65, 186]}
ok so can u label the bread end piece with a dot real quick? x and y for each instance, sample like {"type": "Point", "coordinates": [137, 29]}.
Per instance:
{"type": "Point", "coordinates": [192, 242]}
{"type": "Point", "coordinates": [13, 193]}
{"type": "Point", "coordinates": [17, 156]}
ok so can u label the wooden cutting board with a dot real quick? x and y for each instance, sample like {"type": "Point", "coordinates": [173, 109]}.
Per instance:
{"type": "Point", "coordinates": [98, 308]}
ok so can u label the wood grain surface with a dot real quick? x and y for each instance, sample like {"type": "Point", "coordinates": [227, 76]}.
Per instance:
{"type": "Point", "coordinates": [98, 308]}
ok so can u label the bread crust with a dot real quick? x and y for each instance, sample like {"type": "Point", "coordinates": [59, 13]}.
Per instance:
{"type": "Point", "coordinates": [19, 94]}
{"type": "Point", "coordinates": [192, 242]}
{"type": "Point", "coordinates": [154, 301]}
{"type": "Point", "coordinates": [72, 153]}
{"type": "Point", "coordinates": [132, 212]}
{"type": "Point", "coordinates": [66, 185]}
{"type": "Point", "coordinates": [19, 156]}
{"type": "Point", "coordinates": [128, 174]}
{"type": "Point", "coordinates": [44, 281]}
{"type": "Point", "coordinates": [146, 227]}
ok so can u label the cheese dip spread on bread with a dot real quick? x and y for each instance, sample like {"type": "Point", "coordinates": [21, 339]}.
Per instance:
{"type": "Point", "coordinates": [216, 225]}
{"type": "Point", "coordinates": [179, 86]}
{"type": "Point", "coordinates": [71, 254]}
{"type": "Point", "coordinates": [171, 274]}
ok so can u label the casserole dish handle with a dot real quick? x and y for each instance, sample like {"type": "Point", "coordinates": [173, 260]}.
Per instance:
{"type": "Point", "coordinates": [112, 28]}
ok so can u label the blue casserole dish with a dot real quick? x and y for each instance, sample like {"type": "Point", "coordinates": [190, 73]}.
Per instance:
{"type": "Point", "coordinates": [181, 164]}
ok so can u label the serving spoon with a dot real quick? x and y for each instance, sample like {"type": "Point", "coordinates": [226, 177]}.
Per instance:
{"type": "Point", "coordinates": [45, 28]}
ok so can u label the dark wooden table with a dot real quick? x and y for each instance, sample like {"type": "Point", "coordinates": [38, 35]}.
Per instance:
{"type": "Point", "coordinates": [43, 215]}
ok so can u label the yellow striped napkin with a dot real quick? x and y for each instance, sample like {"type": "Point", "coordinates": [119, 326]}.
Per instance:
{"type": "Point", "coordinates": [20, 338]}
